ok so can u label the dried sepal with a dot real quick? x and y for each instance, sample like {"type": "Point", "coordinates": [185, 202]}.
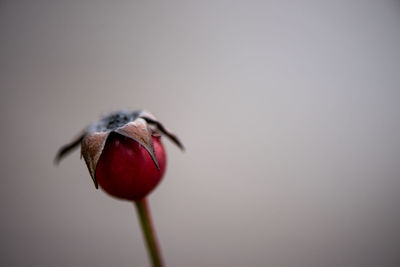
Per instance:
{"type": "Point", "coordinates": [91, 149]}
{"type": "Point", "coordinates": [139, 131]}
{"type": "Point", "coordinates": [66, 149]}
{"type": "Point", "coordinates": [151, 120]}
{"type": "Point", "coordinates": [145, 114]}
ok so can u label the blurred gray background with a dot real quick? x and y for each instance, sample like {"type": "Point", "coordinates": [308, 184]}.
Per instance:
{"type": "Point", "coordinates": [289, 111]}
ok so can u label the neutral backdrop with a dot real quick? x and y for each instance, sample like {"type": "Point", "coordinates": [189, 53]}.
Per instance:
{"type": "Point", "coordinates": [290, 112]}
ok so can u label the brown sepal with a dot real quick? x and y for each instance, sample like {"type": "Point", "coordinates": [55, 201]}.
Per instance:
{"type": "Point", "coordinates": [91, 149]}
{"type": "Point", "coordinates": [139, 131]}
{"type": "Point", "coordinates": [66, 149]}
{"type": "Point", "coordinates": [149, 118]}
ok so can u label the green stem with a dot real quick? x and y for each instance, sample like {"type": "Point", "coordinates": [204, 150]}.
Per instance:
{"type": "Point", "coordinates": [143, 211]}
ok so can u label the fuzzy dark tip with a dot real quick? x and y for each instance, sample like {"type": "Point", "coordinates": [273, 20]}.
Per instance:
{"type": "Point", "coordinates": [114, 120]}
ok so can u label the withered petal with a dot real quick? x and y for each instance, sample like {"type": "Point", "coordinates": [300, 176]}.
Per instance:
{"type": "Point", "coordinates": [139, 131]}
{"type": "Point", "coordinates": [91, 149]}
{"type": "Point", "coordinates": [66, 149]}
{"type": "Point", "coordinates": [151, 119]}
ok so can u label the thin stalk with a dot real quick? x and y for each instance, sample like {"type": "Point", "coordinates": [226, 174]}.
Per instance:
{"type": "Point", "coordinates": [149, 233]}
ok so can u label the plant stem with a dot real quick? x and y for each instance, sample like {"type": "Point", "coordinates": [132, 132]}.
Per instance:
{"type": "Point", "coordinates": [143, 211]}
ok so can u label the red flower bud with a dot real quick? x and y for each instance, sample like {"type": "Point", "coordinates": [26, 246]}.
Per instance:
{"type": "Point", "coordinates": [124, 153]}
{"type": "Point", "coordinates": [126, 170]}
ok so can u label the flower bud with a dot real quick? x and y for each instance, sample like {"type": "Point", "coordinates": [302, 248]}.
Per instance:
{"type": "Point", "coordinates": [124, 153]}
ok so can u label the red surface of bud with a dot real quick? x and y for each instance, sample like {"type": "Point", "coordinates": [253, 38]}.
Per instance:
{"type": "Point", "coordinates": [126, 170]}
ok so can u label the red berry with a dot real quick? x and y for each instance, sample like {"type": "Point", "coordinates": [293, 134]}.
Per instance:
{"type": "Point", "coordinates": [126, 170]}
